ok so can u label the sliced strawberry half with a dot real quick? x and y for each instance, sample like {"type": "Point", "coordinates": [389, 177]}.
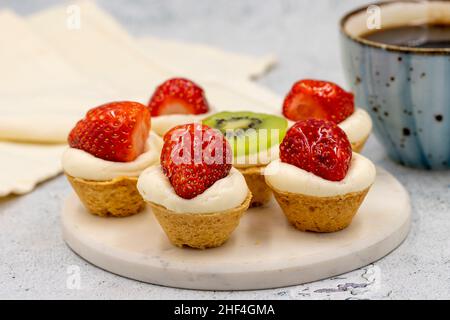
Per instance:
{"type": "Point", "coordinates": [315, 99]}
{"type": "Point", "coordinates": [178, 96]}
{"type": "Point", "coordinates": [115, 131]}
{"type": "Point", "coordinates": [319, 147]}
{"type": "Point", "coordinates": [194, 157]}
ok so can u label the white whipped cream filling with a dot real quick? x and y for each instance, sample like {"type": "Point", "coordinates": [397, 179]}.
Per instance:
{"type": "Point", "coordinates": [162, 124]}
{"type": "Point", "coordinates": [226, 193]}
{"type": "Point", "coordinates": [81, 164]}
{"type": "Point", "coordinates": [357, 126]}
{"type": "Point", "coordinates": [261, 158]}
{"type": "Point", "coordinates": [289, 178]}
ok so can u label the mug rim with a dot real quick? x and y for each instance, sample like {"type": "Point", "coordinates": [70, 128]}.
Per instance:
{"type": "Point", "coordinates": [383, 46]}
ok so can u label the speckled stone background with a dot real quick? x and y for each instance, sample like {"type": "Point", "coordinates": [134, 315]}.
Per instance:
{"type": "Point", "coordinates": [34, 260]}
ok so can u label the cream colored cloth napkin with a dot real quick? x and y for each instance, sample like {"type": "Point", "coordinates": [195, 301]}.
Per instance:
{"type": "Point", "coordinates": [52, 74]}
{"type": "Point", "coordinates": [25, 165]}
{"type": "Point", "coordinates": [40, 93]}
{"type": "Point", "coordinates": [187, 57]}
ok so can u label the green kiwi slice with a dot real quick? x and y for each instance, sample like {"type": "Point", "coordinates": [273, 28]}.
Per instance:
{"type": "Point", "coordinates": [249, 132]}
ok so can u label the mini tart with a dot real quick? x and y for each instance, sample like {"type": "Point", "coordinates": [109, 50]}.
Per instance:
{"type": "Point", "coordinates": [319, 214]}
{"type": "Point", "coordinates": [255, 148]}
{"type": "Point", "coordinates": [325, 211]}
{"type": "Point", "coordinates": [109, 188]}
{"type": "Point", "coordinates": [254, 175]}
{"type": "Point", "coordinates": [118, 197]}
{"type": "Point", "coordinates": [256, 182]}
{"type": "Point", "coordinates": [200, 231]}
{"type": "Point", "coordinates": [205, 221]}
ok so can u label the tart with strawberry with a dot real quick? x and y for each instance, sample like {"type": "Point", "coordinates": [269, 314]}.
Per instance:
{"type": "Point", "coordinates": [196, 195]}
{"type": "Point", "coordinates": [318, 181]}
{"type": "Point", "coordinates": [177, 101]}
{"type": "Point", "coordinates": [108, 149]}
{"type": "Point", "coordinates": [315, 99]}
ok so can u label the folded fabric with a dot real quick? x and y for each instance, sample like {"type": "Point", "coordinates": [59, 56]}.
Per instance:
{"type": "Point", "coordinates": [194, 59]}
{"type": "Point", "coordinates": [25, 165]}
{"type": "Point", "coordinates": [40, 94]}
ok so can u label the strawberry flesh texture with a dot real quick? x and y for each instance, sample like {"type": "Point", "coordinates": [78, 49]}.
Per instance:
{"type": "Point", "coordinates": [319, 147]}
{"type": "Point", "coordinates": [315, 99]}
{"type": "Point", "coordinates": [116, 131]}
{"type": "Point", "coordinates": [178, 96]}
{"type": "Point", "coordinates": [190, 161]}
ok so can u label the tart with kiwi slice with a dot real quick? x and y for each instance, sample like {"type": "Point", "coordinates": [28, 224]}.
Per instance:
{"type": "Point", "coordinates": [254, 139]}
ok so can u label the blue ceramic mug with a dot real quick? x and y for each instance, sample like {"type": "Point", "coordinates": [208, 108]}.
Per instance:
{"type": "Point", "coordinates": [405, 90]}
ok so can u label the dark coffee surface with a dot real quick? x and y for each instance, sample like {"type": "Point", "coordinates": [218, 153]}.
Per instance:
{"type": "Point", "coordinates": [416, 36]}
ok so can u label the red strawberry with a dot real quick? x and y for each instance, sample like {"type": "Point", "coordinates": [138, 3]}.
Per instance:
{"type": "Point", "coordinates": [193, 157]}
{"type": "Point", "coordinates": [317, 146]}
{"type": "Point", "coordinates": [115, 131]}
{"type": "Point", "coordinates": [178, 96]}
{"type": "Point", "coordinates": [314, 99]}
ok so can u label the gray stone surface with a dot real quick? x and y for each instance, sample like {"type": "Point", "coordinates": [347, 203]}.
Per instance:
{"type": "Point", "coordinates": [303, 34]}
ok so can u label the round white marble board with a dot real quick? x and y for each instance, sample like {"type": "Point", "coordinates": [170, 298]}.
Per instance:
{"type": "Point", "coordinates": [263, 252]}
